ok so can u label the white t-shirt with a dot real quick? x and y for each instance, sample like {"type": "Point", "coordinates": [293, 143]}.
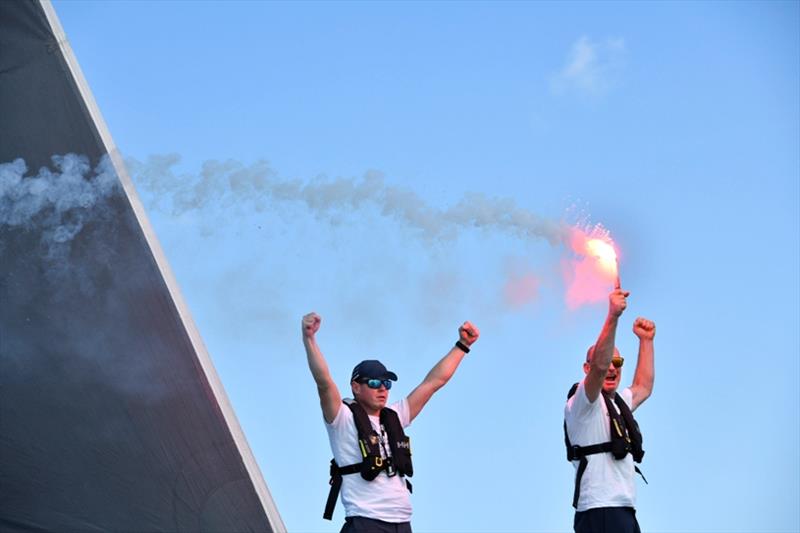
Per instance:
{"type": "Point", "coordinates": [384, 498]}
{"type": "Point", "coordinates": [607, 482]}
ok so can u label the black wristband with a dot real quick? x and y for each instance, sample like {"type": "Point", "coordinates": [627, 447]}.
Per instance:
{"type": "Point", "coordinates": [461, 346]}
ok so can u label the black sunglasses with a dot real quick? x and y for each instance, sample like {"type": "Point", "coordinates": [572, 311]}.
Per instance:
{"type": "Point", "coordinates": [376, 383]}
{"type": "Point", "coordinates": [617, 361]}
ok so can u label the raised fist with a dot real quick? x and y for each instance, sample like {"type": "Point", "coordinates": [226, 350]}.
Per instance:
{"type": "Point", "coordinates": [644, 329]}
{"type": "Point", "coordinates": [310, 324]}
{"type": "Point", "coordinates": [468, 333]}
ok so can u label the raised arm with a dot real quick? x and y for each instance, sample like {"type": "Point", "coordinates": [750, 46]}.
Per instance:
{"type": "Point", "coordinates": [442, 372]}
{"type": "Point", "coordinates": [329, 398]}
{"type": "Point", "coordinates": [645, 374]}
{"type": "Point", "coordinates": [604, 347]}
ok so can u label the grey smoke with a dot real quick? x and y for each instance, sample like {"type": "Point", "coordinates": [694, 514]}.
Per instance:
{"type": "Point", "coordinates": [233, 184]}
{"type": "Point", "coordinates": [57, 202]}
{"type": "Point", "coordinates": [75, 280]}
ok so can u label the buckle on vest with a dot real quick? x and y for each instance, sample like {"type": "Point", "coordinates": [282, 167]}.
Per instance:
{"type": "Point", "coordinates": [390, 469]}
{"type": "Point", "coordinates": [576, 452]}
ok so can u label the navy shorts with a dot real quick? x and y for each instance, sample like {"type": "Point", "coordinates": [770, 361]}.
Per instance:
{"type": "Point", "coordinates": [607, 520]}
{"type": "Point", "coordinates": [359, 524]}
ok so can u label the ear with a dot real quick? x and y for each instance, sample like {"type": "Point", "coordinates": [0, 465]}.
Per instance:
{"type": "Point", "coordinates": [355, 388]}
{"type": "Point", "coordinates": [586, 368]}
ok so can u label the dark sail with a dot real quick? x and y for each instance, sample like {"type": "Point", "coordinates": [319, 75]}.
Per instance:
{"type": "Point", "coordinates": [112, 417]}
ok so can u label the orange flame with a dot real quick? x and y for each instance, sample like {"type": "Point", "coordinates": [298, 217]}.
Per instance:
{"type": "Point", "coordinates": [589, 275]}
{"type": "Point", "coordinates": [605, 254]}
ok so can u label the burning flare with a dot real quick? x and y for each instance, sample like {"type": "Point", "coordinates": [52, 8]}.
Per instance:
{"type": "Point", "coordinates": [595, 267]}
{"type": "Point", "coordinates": [605, 254]}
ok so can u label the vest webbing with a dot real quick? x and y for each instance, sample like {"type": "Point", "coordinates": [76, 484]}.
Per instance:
{"type": "Point", "coordinates": [336, 485]}
{"type": "Point", "coordinates": [372, 463]}
{"type": "Point", "coordinates": [626, 435]}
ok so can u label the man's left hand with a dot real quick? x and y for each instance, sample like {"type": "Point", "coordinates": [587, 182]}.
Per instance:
{"type": "Point", "coordinates": [644, 329]}
{"type": "Point", "coordinates": [468, 333]}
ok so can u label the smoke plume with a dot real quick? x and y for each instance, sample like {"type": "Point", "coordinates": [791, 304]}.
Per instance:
{"type": "Point", "coordinates": [59, 203]}
{"type": "Point", "coordinates": [232, 184]}
{"type": "Point", "coordinates": [56, 202]}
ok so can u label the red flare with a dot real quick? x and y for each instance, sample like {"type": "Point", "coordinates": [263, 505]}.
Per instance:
{"type": "Point", "coordinates": [595, 268]}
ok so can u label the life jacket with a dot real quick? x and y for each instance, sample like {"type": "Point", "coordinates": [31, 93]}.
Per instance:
{"type": "Point", "coordinates": [372, 463]}
{"type": "Point", "coordinates": [626, 438]}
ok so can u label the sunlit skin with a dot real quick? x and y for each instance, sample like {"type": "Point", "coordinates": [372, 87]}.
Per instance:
{"type": "Point", "coordinates": [372, 400]}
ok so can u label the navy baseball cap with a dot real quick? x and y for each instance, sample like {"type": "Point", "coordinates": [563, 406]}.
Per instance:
{"type": "Point", "coordinates": [372, 369]}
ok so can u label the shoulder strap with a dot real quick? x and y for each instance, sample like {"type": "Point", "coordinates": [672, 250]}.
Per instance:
{"type": "Point", "coordinates": [361, 419]}
{"type": "Point", "coordinates": [567, 443]}
{"type": "Point", "coordinates": [572, 390]}
{"type": "Point", "coordinates": [634, 433]}
{"type": "Point", "coordinates": [399, 443]}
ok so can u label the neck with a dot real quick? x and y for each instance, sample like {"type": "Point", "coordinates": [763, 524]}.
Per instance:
{"type": "Point", "coordinates": [370, 411]}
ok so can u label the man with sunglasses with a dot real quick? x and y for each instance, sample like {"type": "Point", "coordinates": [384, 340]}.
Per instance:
{"type": "Point", "coordinates": [382, 504]}
{"type": "Point", "coordinates": [605, 489]}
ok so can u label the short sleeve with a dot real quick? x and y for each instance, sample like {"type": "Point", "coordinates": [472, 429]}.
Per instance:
{"type": "Point", "coordinates": [341, 417]}
{"type": "Point", "coordinates": [627, 395]}
{"type": "Point", "coordinates": [579, 405]}
{"type": "Point", "coordinates": [403, 412]}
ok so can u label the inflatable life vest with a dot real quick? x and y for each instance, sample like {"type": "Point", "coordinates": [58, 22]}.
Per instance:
{"type": "Point", "coordinates": [369, 443]}
{"type": "Point", "coordinates": [626, 438]}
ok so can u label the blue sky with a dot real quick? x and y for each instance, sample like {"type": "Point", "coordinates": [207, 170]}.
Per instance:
{"type": "Point", "coordinates": [675, 125]}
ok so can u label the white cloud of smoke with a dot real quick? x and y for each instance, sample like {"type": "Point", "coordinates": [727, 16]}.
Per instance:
{"type": "Point", "coordinates": [56, 202]}
{"type": "Point", "coordinates": [232, 184]}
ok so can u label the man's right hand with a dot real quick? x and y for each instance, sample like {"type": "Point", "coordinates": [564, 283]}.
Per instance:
{"type": "Point", "coordinates": [311, 323]}
{"type": "Point", "coordinates": [329, 398]}
{"type": "Point", "coordinates": [617, 302]}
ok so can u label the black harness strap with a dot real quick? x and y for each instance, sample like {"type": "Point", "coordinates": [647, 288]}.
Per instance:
{"type": "Point", "coordinates": [580, 453]}
{"type": "Point", "coordinates": [336, 485]}
{"type": "Point", "coordinates": [578, 476]}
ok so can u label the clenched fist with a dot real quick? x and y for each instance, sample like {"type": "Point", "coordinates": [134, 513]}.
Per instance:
{"type": "Point", "coordinates": [468, 333]}
{"type": "Point", "coordinates": [644, 329]}
{"type": "Point", "coordinates": [310, 324]}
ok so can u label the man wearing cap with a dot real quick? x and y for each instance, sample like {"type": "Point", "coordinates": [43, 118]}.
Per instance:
{"type": "Point", "coordinates": [382, 504]}
{"type": "Point", "coordinates": [605, 489]}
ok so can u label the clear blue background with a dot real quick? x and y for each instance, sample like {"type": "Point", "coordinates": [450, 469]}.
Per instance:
{"type": "Point", "coordinates": [676, 125]}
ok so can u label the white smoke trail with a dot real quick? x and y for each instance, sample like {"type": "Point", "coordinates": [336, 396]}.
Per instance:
{"type": "Point", "coordinates": [233, 184]}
